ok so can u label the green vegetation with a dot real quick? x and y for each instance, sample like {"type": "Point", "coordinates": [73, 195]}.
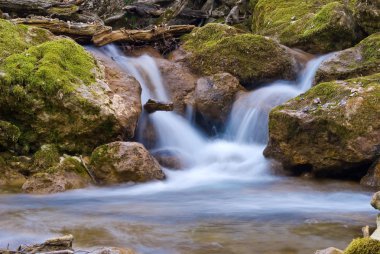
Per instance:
{"type": "Point", "coordinates": [363, 246]}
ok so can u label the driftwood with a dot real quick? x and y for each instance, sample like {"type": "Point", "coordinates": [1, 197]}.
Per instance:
{"type": "Point", "coordinates": [40, 7]}
{"type": "Point", "coordinates": [138, 36]}
{"type": "Point", "coordinates": [152, 106]}
{"type": "Point", "coordinates": [78, 31]}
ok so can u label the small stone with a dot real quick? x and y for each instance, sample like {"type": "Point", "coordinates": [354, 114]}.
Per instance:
{"type": "Point", "coordinates": [375, 202]}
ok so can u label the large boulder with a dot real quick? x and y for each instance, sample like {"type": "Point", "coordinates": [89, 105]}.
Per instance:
{"type": "Point", "coordinates": [315, 26]}
{"type": "Point", "coordinates": [252, 58]}
{"type": "Point", "coordinates": [57, 93]}
{"type": "Point", "coordinates": [121, 162]}
{"type": "Point", "coordinates": [17, 38]}
{"type": "Point", "coordinates": [331, 130]}
{"type": "Point", "coordinates": [215, 95]}
{"type": "Point", "coordinates": [69, 173]}
{"type": "Point", "coordinates": [361, 60]}
{"type": "Point", "coordinates": [367, 14]}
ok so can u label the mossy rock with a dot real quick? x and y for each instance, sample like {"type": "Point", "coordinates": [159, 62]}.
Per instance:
{"type": "Point", "coordinates": [367, 14]}
{"type": "Point", "coordinates": [252, 58]}
{"type": "Point", "coordinates": [9, 135]}
{"type": "Point", "coordinates": [48, 156]}
{"type": "Point", "coordinates": [317, 26]}
{"type": "Point", "coordinates": [331, 130]}
{"type": "Point", "coordinates": [56, 94]}
{"type": "Point", "coordinates": [17, 38]}
{"type": "Point", "coordinates": [363, 246]}
{"type": "Point", "coordinates": [361, 60]}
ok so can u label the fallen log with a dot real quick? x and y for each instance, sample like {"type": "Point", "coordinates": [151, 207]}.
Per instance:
{"type": "Point", "coordinates": [78, 31]}
{"type": "Point", "coordinates": [139, 36]}
{"type": "Point", "coordinates": [39, 7]}
{"type": "Point", "coordinates": [152, 106]}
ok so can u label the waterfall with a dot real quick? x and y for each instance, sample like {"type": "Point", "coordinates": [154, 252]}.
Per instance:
{"type": "Point", "coordinates": [248, 121]}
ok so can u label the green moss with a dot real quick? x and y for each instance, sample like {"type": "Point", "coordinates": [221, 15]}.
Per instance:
{"type": "Point", "coordinates": [46, 157]}
{"type": "Point", "coordinates": [314, 25]}
{"type": "Point", "coordinates": [17, 38]}
{"type": "Point", "coordinates": [363, 246]}
{"type": "Point", "coordinates": [9, 135]}
{"type": "Point", "coordinates": [251, 58]}
{"type": "Point", "coordinates": [63, 10]}
{"type": "Point", "coordinates": [54, 66]}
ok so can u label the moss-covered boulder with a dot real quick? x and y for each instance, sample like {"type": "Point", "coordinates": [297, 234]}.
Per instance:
{"type": "Point", "coordinates": [252, 58]}
{"type": "Point", "coordinates": [363, 246]}
{"type": "Point", "coordinates": [9, 135]}
{"type": "Point", "coordinates": [361, 60]}
{"type": "Point", "coordinates": [17, 38]}
{"type": "Point", "coordinates": [65, 175]}
{"type": "Point", "coordinates": [56, 93]}
{"type": "Point", "coordinates": [367, 14]}
{"type": "Point", "coordinates": [121, 162]}
{"type": "Point", "coordinates": [317, 26]}
{"type": "Point", "coordinates": [331, 130]}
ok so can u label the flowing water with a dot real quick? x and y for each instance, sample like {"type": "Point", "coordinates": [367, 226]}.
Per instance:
{"type": "Point", "coordinates": [226, 200]}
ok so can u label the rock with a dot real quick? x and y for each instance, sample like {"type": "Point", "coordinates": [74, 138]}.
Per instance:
{"type": "Point", "coordinates": [17, 38]}
{"type": "Point", "coordinates": [10, 180]}
{"type": "Point", "coordinates": [48, 156]}
{"type": "Point", "coordinates": [104, 8]}
{"type": "Point", "coordinates": [9, 135]}
{"type": "Point", "coordinates": [252, 58]}
{"type": "Point", "coordinates": [57, 94]}
{"type": "Point", "coordinates": [367, 14]}
{"type": "Point", "coordinates": [363, 246]}
{"type": "Point", "coordinates": [121, 162]}
{"type": "Point", "coordinates": [372, 178]}
{"type": "Point", "coordinates": [314, 26]}
{"type": "Point", "coordinates": [376, 234]}
{"type": "Point", "coordinates": [179, 81]}
{"type": "Point", "coordinates": [337, 137]}
{"type": "Point", "coordinates": [361, 60]}
{"type": "Point", "coordinates": [152, 106]}
{"type": "Point", "coordinates": [112, 250]}
{"type": "Point", "coordinates": [215, 95]}
{"type": "Point", "coordinates": [330, 250]}
{"type": "Point", "coordinates": [375, 201]}
{"type": "Point", "coordinates": [67, 175]}
{"type": "Point", "coordinates": [169, 159]}
{"type": "Point", "coordinates": [60, 245]}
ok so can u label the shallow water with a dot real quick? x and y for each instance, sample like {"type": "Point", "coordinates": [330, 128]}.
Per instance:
{"type": "Point", "coordinates": [227, 199]}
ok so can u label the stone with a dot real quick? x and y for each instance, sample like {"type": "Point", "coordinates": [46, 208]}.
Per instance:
{"type": "Point", "coordinates": [214, 95]}
{"type": "Point", "coordinates": [58, 93]}
{"type": "Point", "coordinates": [337, 137]}
{"type": "Point", "coordinates": [152, 106]}
{"type": "Point", "coordinates": [121, 162]}
{"type": "Point", "coordinates": [361, 60]}
{"type": "Point", "coordinates": [376, 234]}
{"type": "Point", "coordinates": [330, 250]}
{"type": "Point", "coordinates": [112, 250]}
{"type": "Point", "coordinates": [251, 58]}
{"type": "Point", "coordinates": [314, 26]}
{"type": "Point", "coordinates": [169, 159]}
{"type": "Point", "coordinates": [375, 201]}
{"type": "Point", "coordinates": [367, 14]}
{"type": "Point", "coordinates": [372, 178]}
{"type": "Point", "coordinates": [66, 175]}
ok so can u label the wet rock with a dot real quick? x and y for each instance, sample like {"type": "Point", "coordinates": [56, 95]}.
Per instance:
{"type": "Point", "coordinates": [112, 250]}
{"type": "Point", "coordinates": [169, 159]}
{"type": "Point", "coordinates": [376, 234]}
{"type": "Point", "coordinates": [330, 250]}
{"type": "Point", "coordinates": [66, 175]}
{"type": "Point", "coordinates": [251, 58]}
{"type": "Point", "coordinates": [214, 95]}
{"type": "Point", "coordinates": [372, 178]}
{"type": "Point", "coordinates": [10, 179]}
{"type": "Point", "coordinates": [121, 162]}
{"type": "Point", "coordinates": [64, 99]}
{"type": "Point", "coordinates": [375, 201]}
{"type": "Point", "coordinates": [61, 245]}
{"type": "Point", "coordinates": [312, 26]}
{"type": "Point", "coordinates": [47, 156]}
{"type": "Point", "coordinates": [152, 106]}
{"type": "Point", "coordinates": [367, 14]}
{"type": "Point", "coordinates": [330, 138]}
{"type": "Point", "coordinates": [361, 60]}
{"type": "Point", "coordinates": [9, 135]}
{"type": "Point", "coordinates": [179, 81]}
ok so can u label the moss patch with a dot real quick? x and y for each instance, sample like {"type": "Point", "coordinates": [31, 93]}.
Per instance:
{"type": "Point", "coordinates": [252, 58]}
{"type": "Point", "coordinates": [9, 135]}
{"type": "Point", "coordinates": [363, 246]}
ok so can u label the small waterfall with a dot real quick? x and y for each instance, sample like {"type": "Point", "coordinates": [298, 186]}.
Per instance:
{"type": "Point", "coordinates": [249, 116]}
